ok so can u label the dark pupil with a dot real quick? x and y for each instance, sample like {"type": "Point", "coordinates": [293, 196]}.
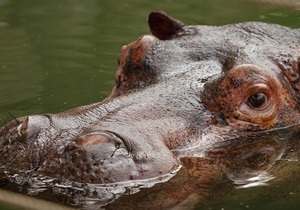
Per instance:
{"type": "Point", "coordinates": [256, 100]}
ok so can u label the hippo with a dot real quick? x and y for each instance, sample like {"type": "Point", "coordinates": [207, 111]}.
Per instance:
{"type": "Point", "coordinates": [182, 92]}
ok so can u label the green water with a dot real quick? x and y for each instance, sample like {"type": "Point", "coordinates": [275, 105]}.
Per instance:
{"type": "Point", "coordinates": [59, 54]}
{"type": "Point", "coordinates": [56, 54]}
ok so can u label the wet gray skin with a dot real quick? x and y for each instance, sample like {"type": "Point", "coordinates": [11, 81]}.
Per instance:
{"type": "Point", "coordinates": [179, 92]}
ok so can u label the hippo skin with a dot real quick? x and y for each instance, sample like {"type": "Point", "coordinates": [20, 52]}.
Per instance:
{"type": "Point", "coordinates": [180, 92]}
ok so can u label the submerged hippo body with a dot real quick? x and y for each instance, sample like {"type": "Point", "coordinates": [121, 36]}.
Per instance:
{"type": "Point", "coordinates": [180, 92]}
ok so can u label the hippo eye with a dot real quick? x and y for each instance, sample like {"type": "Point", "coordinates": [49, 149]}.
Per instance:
{"type": "Point", "coordinates": [257, 100]}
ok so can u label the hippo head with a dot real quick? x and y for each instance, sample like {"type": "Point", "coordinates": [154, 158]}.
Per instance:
{"type": "Point", "coordinates": [179, 92]}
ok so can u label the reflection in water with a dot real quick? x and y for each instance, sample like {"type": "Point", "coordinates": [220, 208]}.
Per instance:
{"type": "Point", "coordinates": [249, 161]}
{"type": "Point", "coordinates": [254, 159]}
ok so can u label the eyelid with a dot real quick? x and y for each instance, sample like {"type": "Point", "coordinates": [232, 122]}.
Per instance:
{"type": "Point", "coordinates": [257, 88]}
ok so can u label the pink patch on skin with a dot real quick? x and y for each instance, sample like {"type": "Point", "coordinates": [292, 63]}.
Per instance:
{"type": "Point", "coordinates": [92, 139]}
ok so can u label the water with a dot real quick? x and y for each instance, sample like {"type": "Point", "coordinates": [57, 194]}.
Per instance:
{"type": "Point", "coordinates": [55, 55]}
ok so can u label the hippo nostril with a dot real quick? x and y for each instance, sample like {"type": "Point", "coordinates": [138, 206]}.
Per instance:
{"type": "Point", "coordinates": [98, 138]}
{"type": "Point", "coordinates": [22, 128]}
{"type": "Point", "coordinates": [32, 126]}
{"type": "Point", "coordinates": [9, 132]}
{"type": "Point", "coordinates": [92, 139]}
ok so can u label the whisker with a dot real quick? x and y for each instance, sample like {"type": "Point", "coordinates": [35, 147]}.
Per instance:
{"type": "Point", "coordinates": [14, 118]}
{"type": "Point", "coordinates": [117, 147]}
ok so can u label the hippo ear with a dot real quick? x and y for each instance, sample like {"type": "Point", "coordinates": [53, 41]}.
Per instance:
{"type": "Point", "coordinates": [163, 26]}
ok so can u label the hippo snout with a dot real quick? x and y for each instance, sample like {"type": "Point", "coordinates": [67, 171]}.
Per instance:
{"type": "Point", "coordinates": [25, 128]}
{"type": "Point", "coordinates": [33, 125]}
{"type": "Point", "coordinates": [37, 146]}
